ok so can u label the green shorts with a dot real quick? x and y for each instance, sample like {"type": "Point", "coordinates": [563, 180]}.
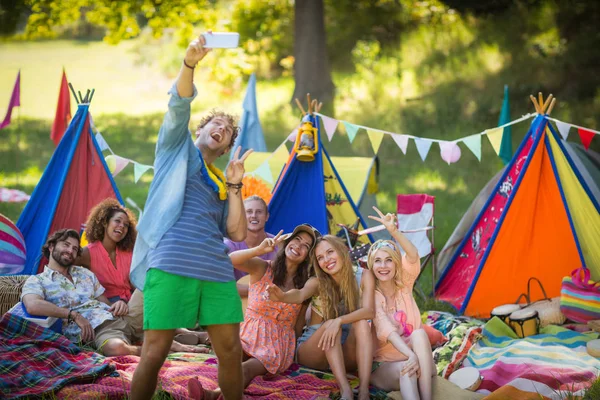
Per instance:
{"type": "Point", "coordinates": [173, 301]}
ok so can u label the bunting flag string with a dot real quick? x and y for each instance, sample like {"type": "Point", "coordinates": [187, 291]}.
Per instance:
{"type": "Point", "coordinates": [585, 134]}
{"type": "Point", "coordinates": [116, 163]}
{"type": "Point", "coordinates": [449, 149]}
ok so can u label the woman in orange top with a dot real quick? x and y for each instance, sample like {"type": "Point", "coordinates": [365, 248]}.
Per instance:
{"type": "Point", "coordinates": [110, 231]}
{"type": "Point", "coordinates": [403, 358]}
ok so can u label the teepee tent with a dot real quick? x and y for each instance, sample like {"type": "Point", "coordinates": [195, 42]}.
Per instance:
{"type": "Point", "coordinates": [312, 192]}
{"type": "Point", "coordinates": [541, 220]}
{"type": "Point", "coordinates": [359, 175]}
{"type": "Point", "coordinates": [75, 180]}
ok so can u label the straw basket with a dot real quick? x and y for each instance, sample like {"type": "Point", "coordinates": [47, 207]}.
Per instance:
{"type": "Point", "coordinates": [10, 291]}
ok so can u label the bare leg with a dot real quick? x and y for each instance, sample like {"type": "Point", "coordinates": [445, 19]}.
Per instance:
{"type": "Point", "coordinates": [154, 352]}
{"type": "Point", "coordinates": [309, 353]}
{"type": "Point", "coordinates": [225, 340]}
{"type": "Point", "coordinates": [335, 357]}
{"type": "Point", "coordinates": [360, 356]}
{"type": "Point", "coordinates": [422, 348]}
{"type": "Point", "coordinates": [387, 377]}
{"type": "Point", "coordinates": [117, 347]}
{"type": "Point", "coordinates": [251, 369]}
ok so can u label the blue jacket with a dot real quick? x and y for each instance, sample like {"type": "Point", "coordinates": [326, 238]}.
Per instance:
{"type": "Point", "coordinates": [176, 159]}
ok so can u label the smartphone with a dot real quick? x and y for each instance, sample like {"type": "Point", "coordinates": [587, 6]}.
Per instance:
{"type": "Point", "coordinates": [221, 40]}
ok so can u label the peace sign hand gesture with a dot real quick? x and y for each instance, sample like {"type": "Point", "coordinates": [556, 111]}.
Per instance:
{"type": "Point", "coordinates": [235, 168]}
{"type": "Point", "coordinates": [388, 220]}
{"type": "Point", "coordinates": [269, 244]}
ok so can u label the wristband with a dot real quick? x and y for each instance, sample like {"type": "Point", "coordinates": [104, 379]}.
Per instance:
{"type": "Point", "coordinates": [184, 63]}
{"type": "Point", "coordinates": [234, 185]}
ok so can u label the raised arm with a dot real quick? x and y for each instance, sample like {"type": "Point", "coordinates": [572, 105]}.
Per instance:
{"type": "Point", "coordinates": [236, 218]}
{"type": "Point", "coordinates": [389, 221]}
{"type": "Point", "coordinates": [248, 260]}
{"type": "Point", "coordinates": [174, 131]}
{"type": "Point", "coordinates": [194, 53]}
{"type": "Point", "coordinates": [294, 296]}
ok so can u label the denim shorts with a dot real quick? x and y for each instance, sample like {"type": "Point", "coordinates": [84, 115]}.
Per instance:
{"type": "Point", "coordinates": [309, 330]}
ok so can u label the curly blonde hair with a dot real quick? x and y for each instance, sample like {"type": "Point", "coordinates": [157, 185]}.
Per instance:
{"type": "Point", "coordinates": [337, 299]}
{"type": "Point", "coordinates": [390, 248]}
{"type": "Point", "coordinates": [102, 212]}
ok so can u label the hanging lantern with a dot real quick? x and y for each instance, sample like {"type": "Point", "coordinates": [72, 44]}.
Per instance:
{"type": "Point", "coordinates": [307, 140]}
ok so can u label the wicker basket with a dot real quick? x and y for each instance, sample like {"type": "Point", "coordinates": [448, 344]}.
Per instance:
{"type": "Point", "coordinates": [10, 291]}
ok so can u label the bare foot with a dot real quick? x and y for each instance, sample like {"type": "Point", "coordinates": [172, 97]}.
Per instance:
{"type": "Point", "coordinates": [197, 392]}
{"type": "Point", "coordinates": [184, 348]}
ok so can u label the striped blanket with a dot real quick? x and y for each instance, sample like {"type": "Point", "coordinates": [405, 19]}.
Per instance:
{"type": "Point", "coordinates": [540, 366]}
{"type": "Point", "coordinates": [35, 360]}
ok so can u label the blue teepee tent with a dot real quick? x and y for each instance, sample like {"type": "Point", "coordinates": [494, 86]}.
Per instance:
{"type": "Point", "coordinates": [75, 180]}
{"type": "Point", "coordinates": [313, 193]}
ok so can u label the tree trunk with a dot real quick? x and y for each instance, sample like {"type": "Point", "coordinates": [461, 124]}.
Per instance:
{"type": "Point", "coordinates": [311, 66]}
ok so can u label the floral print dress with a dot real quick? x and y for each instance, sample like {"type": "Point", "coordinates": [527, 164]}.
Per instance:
{"type": "Point", "coordinates": [267, 332]}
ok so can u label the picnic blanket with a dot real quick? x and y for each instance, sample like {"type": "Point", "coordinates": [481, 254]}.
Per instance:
{"type": "Point", "coordinates": [295, 383]}
{"type": "Point", "coordinates": [462, 334]}
{"type": "Point", "coordinates": [35, 360]}
{"type": "Point", "coordinates": [541, 366]}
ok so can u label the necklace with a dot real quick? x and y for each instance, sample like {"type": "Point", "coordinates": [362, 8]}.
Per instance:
{"type": "Point", "coordinates": [214, 177]}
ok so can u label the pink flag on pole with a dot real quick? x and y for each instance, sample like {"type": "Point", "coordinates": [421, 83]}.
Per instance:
{"type": "Point", "coordinates": [15, 101]}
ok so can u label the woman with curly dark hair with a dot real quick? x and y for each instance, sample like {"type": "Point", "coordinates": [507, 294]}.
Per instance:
{"type": "Point", "coordinates": [110, 231]}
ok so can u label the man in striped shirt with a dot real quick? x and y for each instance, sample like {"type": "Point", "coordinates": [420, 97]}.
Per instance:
{"type": "Point", "coordinates": [180, 260]}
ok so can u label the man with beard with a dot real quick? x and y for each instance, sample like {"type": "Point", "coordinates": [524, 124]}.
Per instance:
{"type": "Point", "coordinates": [257, 215]}
{"type": "Point", "coordinates": [73, 293]}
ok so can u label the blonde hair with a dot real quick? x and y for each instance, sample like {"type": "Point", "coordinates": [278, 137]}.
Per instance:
{"type": "Point", "coordinates": [392, 250]}
{"type": "Point", "coordinates": [330, 293]}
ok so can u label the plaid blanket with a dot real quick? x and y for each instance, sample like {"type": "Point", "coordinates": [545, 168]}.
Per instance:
{"type": "Point", "coordinates": [35, 360]}
{"type": "Point", "coordinates": [295, 383]}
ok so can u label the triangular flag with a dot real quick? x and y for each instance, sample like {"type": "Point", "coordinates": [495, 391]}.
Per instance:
{"type": "Point", "coordinates": [138, 170]}
{"type": "Point", "coordinates": [330, 124]}
{"type": "Point", "coordinates": [251, 134]}
{"type": "Point", "coordinates": [450, 152]}
{"type": "Point", "coordinates": [495, 137]}
{"type": "Point", "coordinates": [101, 142]}
{"type": "Point", "coordinates": [116, 163]}
{"type": "Point", "coordinates": [281, 154]}
{"type": "Point", "coordinates": [375, 137]}
{"type": "Point", "coordinates": [63, 111]}
{"type": "Point", "coordinates": [473, 142]}
{"type": "Point", "coordinates": [264, 171]}
{"type": "Point", "coordinates": [351, 130]}
{"type": "Point", "coordinates": [586, 137]}
{"type": "Point", "coordinates": [401, 141]}
{"type": "Point", "coordinates": [15, 101]}
{"type": "Point", "coordinates": [423, 146]}
{"type": "Point", "coordinates": [505, 152]}
{"type": "Point", "coordinates": [292, 136]}
{"type": "Point", "coordinates": [563, 128]}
